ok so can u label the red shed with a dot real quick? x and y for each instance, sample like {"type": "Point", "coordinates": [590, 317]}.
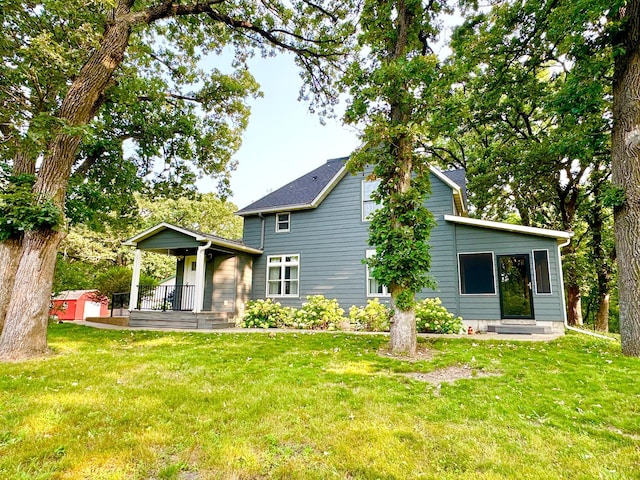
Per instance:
{"type": "Point", "coordinates": [78, 305]}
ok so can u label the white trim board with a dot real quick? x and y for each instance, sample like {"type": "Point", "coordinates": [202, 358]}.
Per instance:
{"type": "Point", "coordinates": [539, 232]}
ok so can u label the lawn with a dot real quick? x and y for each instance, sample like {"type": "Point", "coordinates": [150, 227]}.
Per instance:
{"type": "Point", "coordinates": [142, 405]}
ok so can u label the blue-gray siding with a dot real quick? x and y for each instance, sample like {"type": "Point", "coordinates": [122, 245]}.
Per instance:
{"type": "Point", "coordinates": [168, 239]}
{"type": "Point", "coordinates": [547, 307]}
{"type": "Point", "coordinates": [332, 241]}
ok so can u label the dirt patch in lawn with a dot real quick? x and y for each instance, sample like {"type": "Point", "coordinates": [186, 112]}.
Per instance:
{"type": "Point", "coordinates": [422, 353]}
{"type": "Point", "coordinates": [450, 375]}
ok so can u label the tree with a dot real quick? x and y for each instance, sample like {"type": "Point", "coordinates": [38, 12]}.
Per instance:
{"type": "Point", "coordinates": [599, 40]}
{"type": "Point", "coordinates": [86, 252]}
{"type": "Point", "coordinates": [76, 80]}
{"type": "Point", "coordinates": [531, 124]}
{"type": "Point", "coordinates": [392, 90]}
{"type": "Point", "coordinates": [625, 165]}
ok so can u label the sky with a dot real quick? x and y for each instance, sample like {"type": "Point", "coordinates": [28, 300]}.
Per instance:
{"type": "Point", "coordinates": [283, 140]}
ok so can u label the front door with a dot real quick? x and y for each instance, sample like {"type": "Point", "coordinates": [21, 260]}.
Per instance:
{"type": "Point", "coordinates": [188, 292]}
{"type": "Point", "coordinates": [516, 300]}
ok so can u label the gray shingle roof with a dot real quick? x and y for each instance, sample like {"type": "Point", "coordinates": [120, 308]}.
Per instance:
{"type": "Point", "coordinates": [459, 177]}
{"type": "Point", "coordinates": [304, 190]}
{"type": "Point", "coordinates": [301, 192]}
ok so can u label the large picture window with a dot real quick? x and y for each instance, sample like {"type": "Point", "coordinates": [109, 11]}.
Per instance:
{"type": "Point", "coordinates": [375, 288]}
{"type": "Point", "coordinates": [368, 204]}
{"type": "Point", "coordinates": [283, 275]}
{"type": "Point", "coordinates": [476, 274]}
{"type": "Point", "coordinates": [543, 277]}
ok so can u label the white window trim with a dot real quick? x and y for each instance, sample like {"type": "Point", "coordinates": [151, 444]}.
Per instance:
{"type": "Point", "coordinates": [283, 264]}
{"type": "Point", "coordinates": [282, 230]}
{"type": "Point", "coordinates": [535, 275]}
{"type": "Point", "coordinates": [362, 200]}
{"type": "Point", "coordinates": [385, 290]}
{"type": "Point", "coordinates": [495, 276]}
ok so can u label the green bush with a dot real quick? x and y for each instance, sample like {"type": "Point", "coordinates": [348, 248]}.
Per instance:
{"type": "Point", "coordinates": [432, 317]}
{"type": "Point", "coordinates": [266, 314]}
{"type": "Point", "coordinates": [318, 313]}
{"type": "Point", "coordinates": [118, 280]}
{"type": "Point", "coordinates": [374, 317]}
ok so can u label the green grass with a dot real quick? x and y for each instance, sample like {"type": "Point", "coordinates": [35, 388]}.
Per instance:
{"type": "Point", "coordinates": [142, 405]}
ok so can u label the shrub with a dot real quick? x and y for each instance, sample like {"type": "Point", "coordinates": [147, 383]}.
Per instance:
{"type": "Point", "coordinates": [374, 317]}
{"type": "Point", "coordinates": [432, 317]}
{"type": "Point", "coordinates": [118, 280]}
{"type": "Point", "coordinates": [265, 314]}
{"type": "Point", "coordinates": [319, 313]}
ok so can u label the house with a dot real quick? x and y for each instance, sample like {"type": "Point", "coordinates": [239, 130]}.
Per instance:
{"type": "Point", "coordinates": [77, 305]}
{"type": "Point", "coordinates": [310, 237]}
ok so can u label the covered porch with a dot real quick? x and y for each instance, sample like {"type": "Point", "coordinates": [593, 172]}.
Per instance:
{"type": "Point", "coordinates": [213, 278]}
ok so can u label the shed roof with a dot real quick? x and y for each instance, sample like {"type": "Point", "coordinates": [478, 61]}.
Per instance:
{"type": "Point", "coordinates": [72, 294]}
{"type": "Point", "coordinates": [561, 236]}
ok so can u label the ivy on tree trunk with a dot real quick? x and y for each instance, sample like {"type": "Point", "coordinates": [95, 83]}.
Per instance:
{"type": "Point", "coordinates": [392, 93]}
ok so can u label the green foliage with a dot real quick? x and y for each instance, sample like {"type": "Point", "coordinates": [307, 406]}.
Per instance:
{"type": "Point", "coordinates": [167, 116]}
{"type": "Point", "coordinates": [266, 314]}
{"type": "Point", "coordinates": [393, 89]}
{"type": "Point", "coordinates": [374, 317]}
{"type": "Point", "coordinates": [118, 280]}
{"type": "Point", "coordinates": [73, 275]}
{"type": "Point", "coordinates": [20, 210]}
{"type": "Point", "coordinates": [613, 196]}
{"type": "Point", "coordinates": [319, 313]}
{"type": "Point", "coordinates": [205, 213]}
{"type": "Point", "coordinates": [433, 317]}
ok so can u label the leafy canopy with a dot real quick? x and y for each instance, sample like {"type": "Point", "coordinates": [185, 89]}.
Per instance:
{"type": "Point", "coordinates": [165, 119]}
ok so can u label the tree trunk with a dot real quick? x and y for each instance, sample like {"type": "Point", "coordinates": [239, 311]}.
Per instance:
{"type": "Point", "coordinates": [25, 330]}
{"type": "Point", "coordinates": [625, 168]}
{"type": "Point", "coordinates": [403, 338]}
{"type": "Point", "coordinates": [9, 256]}
{"type": "Point", "coordinates": [602, 316]}
{"type": "Point", "coordinates": [574, 306]}
{"type": "Point", "coordinates": [602, 260]}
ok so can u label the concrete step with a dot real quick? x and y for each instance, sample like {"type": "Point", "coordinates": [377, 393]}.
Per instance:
{"type": "Point", "coordinates": [519, 329]}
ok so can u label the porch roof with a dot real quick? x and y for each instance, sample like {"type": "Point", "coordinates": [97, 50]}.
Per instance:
{"type": "Point", "coordinates": [196, 236]}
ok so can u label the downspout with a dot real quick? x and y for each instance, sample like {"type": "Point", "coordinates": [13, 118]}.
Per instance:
{"type": "Point", "coordinates": [199, 300]}
{"type": "Point", "coordinates": [564, 302]}
{"type": "Point", "coordinates": [262, 221]}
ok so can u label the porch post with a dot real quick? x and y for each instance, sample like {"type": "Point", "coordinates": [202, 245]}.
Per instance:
{"type": "Point", "coordinates": [135, 280]}
{"type": "Point", "coordinates": [200, 269]}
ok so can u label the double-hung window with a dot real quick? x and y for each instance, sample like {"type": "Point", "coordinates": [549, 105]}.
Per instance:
{"type": "Point", "coordinates": [374, 287]}
{"type": "Point", "coordinates": [283, 275]}
{"type": "Point", "coordinates": [283, 222]}
{"type": "Point", "coordinates": [369, 205]}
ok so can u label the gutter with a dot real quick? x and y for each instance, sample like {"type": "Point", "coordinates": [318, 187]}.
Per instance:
{"type": "Point", "coordinates": [564, 310]}
{"type": "Point", "coordinates": [199, 296]}
{"type": "Point", "coordinates": [262, 221]}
